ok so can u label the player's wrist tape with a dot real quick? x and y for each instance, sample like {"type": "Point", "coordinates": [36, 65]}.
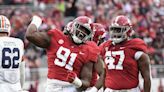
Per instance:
{"type": "Point", "coordinates": [77, 82]}
{"type": "Point", "coordinates": [37, 21]}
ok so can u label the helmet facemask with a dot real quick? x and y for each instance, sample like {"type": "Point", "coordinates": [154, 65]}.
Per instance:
{"type": "Point", "coordinates": [119, 33]}
{"type": "Point", "coordinates": [81, 33]}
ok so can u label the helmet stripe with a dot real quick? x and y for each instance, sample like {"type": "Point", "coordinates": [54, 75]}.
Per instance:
{"type": "Point", "coordinates": [2, 22]}
{"type": "Point", "coordinates": [117, 19]}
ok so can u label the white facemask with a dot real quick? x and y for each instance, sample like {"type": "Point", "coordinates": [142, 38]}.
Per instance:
{"type": "Point", "coordinates": [117, 40]}
{"type": "Point", "coordinates": [76, 39]}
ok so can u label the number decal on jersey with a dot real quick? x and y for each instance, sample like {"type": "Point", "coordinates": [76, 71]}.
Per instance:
{"type": "Point", "coordinates": [62, 57]}
{"type": "Point", "coordinates": [109, 60]}
{"type": "Point", "coordinates": [10, 58]}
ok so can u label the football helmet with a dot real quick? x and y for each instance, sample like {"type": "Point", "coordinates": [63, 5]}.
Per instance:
{"type": "Point", "coordinates": [5, 26]}
{"type": "Point", "coordinates": [67, 28]}
{"type": "Point", "coordinates": [120, 29]}
{"type": "Point", "coordinates": [99, 32]}
{"type": "Point", "coordinates": [81, 29]}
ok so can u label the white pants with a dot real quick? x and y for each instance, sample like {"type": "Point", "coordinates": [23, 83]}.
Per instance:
{"type": "Point", "coordinates": [100, 90]}
{"type": "Point", "coordinates": [129, 90]}
{"type": "Point", "coordinates": [54, 85]}
{"type": "Point", "coordinates": [8, 87]}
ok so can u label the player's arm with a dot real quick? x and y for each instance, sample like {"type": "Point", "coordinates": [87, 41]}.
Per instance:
{"type": "Point", "coordinates": [85, 77]}
{"type": "Point", "coordinates": [144, 67]}
{"type": "Point", "coordinates": [100, 68]}
{"type": "Point", "coordinates": [40, 39]}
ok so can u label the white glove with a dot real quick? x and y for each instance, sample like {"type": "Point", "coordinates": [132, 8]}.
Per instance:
{"type": "Point", "coordinates": [36, 20]}
{"type": "Point", "coordinates": [92, 89]}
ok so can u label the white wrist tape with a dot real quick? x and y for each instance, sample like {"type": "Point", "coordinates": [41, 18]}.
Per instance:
{"type": "Point", "coordinates": [37, 21]}
{"type": "Point", "coordinates": [138, 54]}
{"type": "Point", "coordinates": [77, 82]}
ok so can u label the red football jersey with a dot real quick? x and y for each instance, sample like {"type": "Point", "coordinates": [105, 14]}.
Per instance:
{"type": "Point", "coordinates": [64, 55]}
{"type": "Point", "coordinates": [121, 67]}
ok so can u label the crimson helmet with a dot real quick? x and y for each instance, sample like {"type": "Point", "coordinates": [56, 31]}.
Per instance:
{"type": "Point", "coordinates": [120, 29]}
{"type": "Point", "coordinates": [81, 29]}
{"type": "Point", "coordinates": [99, 32]}
{"type": "Point", "coordinates": [5, 26]}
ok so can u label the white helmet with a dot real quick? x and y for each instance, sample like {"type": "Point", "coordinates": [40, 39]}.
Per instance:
{"type": "Point", "coordinates": [5, 26]}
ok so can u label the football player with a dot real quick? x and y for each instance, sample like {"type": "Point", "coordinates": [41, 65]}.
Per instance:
{"type": "Point", "coordinates": [70, 57]}
{"type": "Point", "coordinates": [98, 75]}
{"type": "Point", "coordinates": [99, 31]}
{"type": "Point", "coordinates": [125, 58]}
{"type": "Point", "coordinates": [11, 66]}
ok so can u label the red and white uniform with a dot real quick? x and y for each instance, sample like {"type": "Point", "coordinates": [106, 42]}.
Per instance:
{"type": "Point", "coordinates": [64, 55]}
{"type": "Point", "coordinates": [121, 66]}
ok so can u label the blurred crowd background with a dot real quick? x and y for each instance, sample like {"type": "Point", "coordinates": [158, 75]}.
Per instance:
{"type": "Point", "coordinates": [147, 17]}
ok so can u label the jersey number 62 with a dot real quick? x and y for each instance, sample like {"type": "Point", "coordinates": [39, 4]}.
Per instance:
{"type": "Point", "coordinates": [10, 57]}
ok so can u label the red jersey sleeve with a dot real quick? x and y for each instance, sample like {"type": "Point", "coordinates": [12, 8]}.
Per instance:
{"type": "Point", "coordinates": [93, 52]}
{"type": "Point", "coordinates": [138, 45]}
{"type": "Point", "coordinates": [51, 32]}
{"type": "Point", "coordinates": [54, 32]}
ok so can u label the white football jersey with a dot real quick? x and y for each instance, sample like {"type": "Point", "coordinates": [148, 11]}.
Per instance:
{"type": "Point", "coordinates": [11, 53]}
